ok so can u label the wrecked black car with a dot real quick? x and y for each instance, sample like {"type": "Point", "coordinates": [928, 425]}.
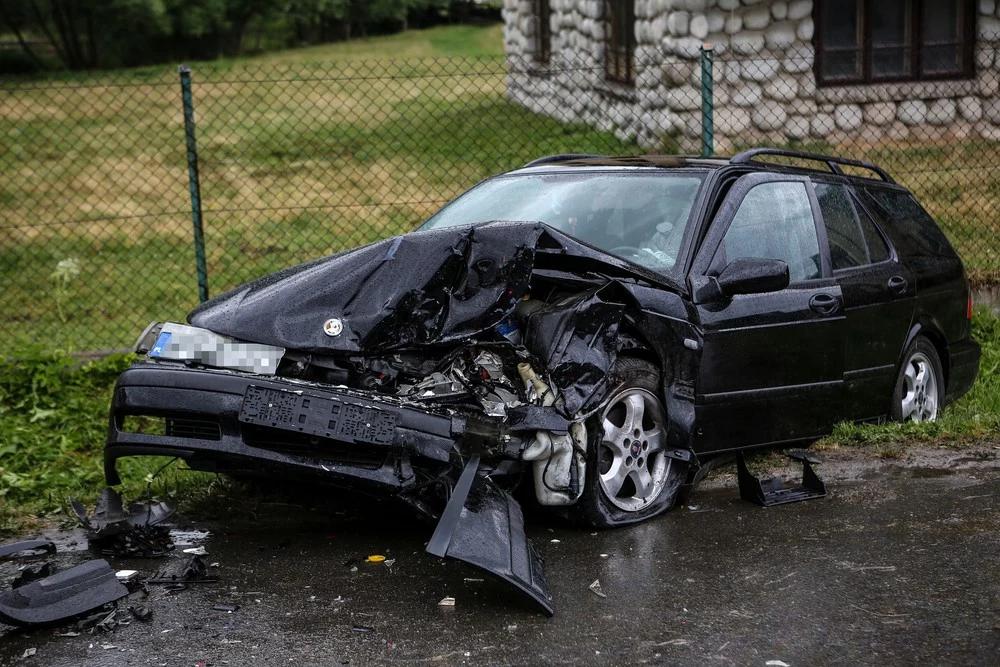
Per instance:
{"type": "Point", "coordinates": [597, 328]}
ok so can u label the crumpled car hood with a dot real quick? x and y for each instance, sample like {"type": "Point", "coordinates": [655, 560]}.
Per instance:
{"type": "Point", "coordinates": [422, 288]}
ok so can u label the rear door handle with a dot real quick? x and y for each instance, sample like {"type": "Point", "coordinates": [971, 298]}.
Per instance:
{"type": "Point", "coordinates": [824, 304]}
{"type": "Point", "coordinates": [897, 285]}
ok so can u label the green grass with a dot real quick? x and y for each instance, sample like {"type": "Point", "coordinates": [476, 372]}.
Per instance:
{"type": "Point", "coordinates": [301, 153]}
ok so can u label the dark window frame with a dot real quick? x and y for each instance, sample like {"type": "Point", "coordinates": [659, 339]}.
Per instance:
{"type": "Point", "coordinates": [543, 32]}
{"type": "Point", "coordinates": [969, 13]}
{"type": "Point", "coordinates": [619, 58]}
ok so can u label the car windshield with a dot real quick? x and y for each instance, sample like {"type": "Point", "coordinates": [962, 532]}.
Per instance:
{"type": "Point", "coordinates": [640, 217]}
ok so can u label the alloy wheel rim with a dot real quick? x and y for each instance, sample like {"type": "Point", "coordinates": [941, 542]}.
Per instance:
{"type": "Point", "coordinates": [632, 465]}
{"type": "Point", "coordinates": [920, 390]}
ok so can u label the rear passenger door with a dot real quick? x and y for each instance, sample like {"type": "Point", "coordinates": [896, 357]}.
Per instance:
{"type": "Point", "coordinates": [879, 296]}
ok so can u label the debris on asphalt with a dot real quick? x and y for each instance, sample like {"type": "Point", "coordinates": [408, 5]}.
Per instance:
{"type": "Point", "coordinates": [141, 613]}
{"type": "Point", "coordinates": [228, 608]}
{"type": "Point", "coordinates": [376, 558]}
{"type": "Point", "coordinates": [127, 576]}
{"type": "Point", "coordinates": [776, 663]}
{"type": "Point", "coordinates": [27, 549]}
{"type": "Point", "coordinates": [196, 551]}
{"type": "Point", "coordinates": [595, 587]}
{"type": "Point", "coordinates": [554, 541]}
{"type": "Point", "coordinates": [447, 602]}
{"type": "Point", "coordinates": [389, 562]}
{"type": "Point", "coordinates": [366, 629]}
{"type": "Point", "coordinates": [30, 573]}
{"type": "Point", "coordinates": [61, 596]}
{"type": "Point", "coordinates": [474, 580]}
{"type": "Point", "coordinates": [181, 573]}
{"type": "Point", "coordinates": [28, 652]}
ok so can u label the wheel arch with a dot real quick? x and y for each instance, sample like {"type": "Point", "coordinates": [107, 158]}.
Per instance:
{"type": "Point", "coordinates": [926, 326]}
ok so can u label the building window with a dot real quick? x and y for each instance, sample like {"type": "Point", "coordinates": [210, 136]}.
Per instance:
{"type": "Point", "coordinates": [543, 32]}
{"type": "Point", "coordinates": [619, 54]}
{"type": "Point", "coordinates": [863, 41]}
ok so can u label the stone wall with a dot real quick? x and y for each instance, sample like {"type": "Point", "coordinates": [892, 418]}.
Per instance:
{"type": "Point", "coordinates": [764, 83]}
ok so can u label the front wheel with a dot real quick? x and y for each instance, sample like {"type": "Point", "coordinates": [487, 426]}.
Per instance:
{"type": "Point", "coordinates": [919, 390]}
{"type": "Point", "coordinates": [629, 475]}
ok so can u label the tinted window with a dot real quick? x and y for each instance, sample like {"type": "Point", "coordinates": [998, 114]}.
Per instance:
{"type": "Point", "coordinates": [775, 221]}
{"type": "Point", "coordinates": [910, 220]}
{"type": "Point", "coordinates": [847, 249]}
{"type": "Point", "coordinates": [877, 248]}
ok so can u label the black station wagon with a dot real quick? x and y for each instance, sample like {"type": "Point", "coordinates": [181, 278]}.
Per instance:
{"type": "Point", "coordinates": [594, 329]}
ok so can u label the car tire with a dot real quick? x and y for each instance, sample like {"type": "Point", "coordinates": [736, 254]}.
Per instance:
{"type": "Point", "coordinates": [919, 392]}
{"type": "Point", "coordinates": [629, 477]}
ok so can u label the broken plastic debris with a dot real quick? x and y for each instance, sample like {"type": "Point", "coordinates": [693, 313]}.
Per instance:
{"type": "Point", "coordinates": [228, 608]}
{"type": "Point", "coordinates": [604, 555]}
{"type": "Point", "coordinates": [554, 541]}
{"type": "Point", "coordinates": [596, 588]}
{"type": "Point", "coordinates": [777, 663]}
{"type": "Point", "coordinates": [126, 576]}
{"type": "Point", "coordinates": [30, 573]}
{"type": "Point", "coordinates": [196, 551]}
{"type": "Point", "coordinates": [28, 652]}
{"type": "Point", "coordinates": [447, 602]}
{"type": "Point", "coordinates": [61, 596]}
{"type": "Point", "coordinates": [27, 548]}
{"type": "Point", "coordinates": [389, 562]}
{"type": "Point", "coordinates": [363, 628]}
{"type": "Point", "coordinates": [375, 558]}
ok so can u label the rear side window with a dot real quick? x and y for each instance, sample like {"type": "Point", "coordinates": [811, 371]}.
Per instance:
{"type": "Point", "coordinates": [878, 250]}
{"type": "Point", "coordinates": [847, 248]}
{"type": "Point", "coordinates": [911, 220]}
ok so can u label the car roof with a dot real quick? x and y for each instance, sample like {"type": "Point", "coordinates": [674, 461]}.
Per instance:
{"type": "Point", "coordinates": [815, 163]}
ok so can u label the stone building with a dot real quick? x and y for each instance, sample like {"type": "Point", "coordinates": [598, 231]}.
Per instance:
{"type": "Point", "coordinates": [833, 70]}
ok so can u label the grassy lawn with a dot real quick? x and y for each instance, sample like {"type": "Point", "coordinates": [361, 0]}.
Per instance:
{"type": "Point", "coordinates": [301, 153]}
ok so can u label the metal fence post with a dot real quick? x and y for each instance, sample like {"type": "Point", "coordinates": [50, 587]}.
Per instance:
{"type": "Point", "coordinates": [707, 102]}
{"type": "Point", "coordinates": [193, 181]}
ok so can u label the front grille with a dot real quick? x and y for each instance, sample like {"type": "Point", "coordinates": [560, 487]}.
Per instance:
{"type": "Point", "coordinates": [195, 429]}
{"type": "Point", "coordinates": [313, 447]}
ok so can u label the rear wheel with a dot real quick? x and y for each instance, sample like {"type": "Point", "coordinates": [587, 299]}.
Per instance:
{"type": "Point", "coordinates": [919, 393]}
{"type": "Point", "coordinates": [629, 475]}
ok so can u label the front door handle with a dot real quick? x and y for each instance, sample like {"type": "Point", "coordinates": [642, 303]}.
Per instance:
{"type": "Point", "coordinates": [824, 304]}
{"type": "Point", "coordinates": [897, 285]}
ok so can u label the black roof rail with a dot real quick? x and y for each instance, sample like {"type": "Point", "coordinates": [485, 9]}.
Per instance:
{"type": "Point", "coordinates": [833, 163]}
{"type": "Point", "coordinates": [562, 157]}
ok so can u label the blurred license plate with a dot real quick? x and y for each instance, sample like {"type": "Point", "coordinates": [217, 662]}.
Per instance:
{"type": "Point", "coordinates": [317, 415]}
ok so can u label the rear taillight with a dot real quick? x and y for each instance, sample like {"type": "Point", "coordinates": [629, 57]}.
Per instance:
{"type": "Point", "coordinates": [968, 309]}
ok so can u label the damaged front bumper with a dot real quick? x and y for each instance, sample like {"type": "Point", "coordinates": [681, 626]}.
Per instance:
{"type": "Point", "coordinates": [263, 426]}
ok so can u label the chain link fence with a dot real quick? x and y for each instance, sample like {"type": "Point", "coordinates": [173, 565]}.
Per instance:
{"type": "Point", "coordinates": [299, 161]}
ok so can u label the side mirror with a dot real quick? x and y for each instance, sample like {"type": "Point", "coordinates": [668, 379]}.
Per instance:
{"type": "Point", "coordinates": [752, 275]}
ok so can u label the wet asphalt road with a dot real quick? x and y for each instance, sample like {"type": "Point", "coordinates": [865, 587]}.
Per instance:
{"type": "Point", "coordinates": [897, 566]}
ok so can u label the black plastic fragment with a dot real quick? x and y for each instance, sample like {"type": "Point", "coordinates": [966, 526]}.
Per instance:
{"type": "Point", "coordinates": [190, 571]}
{"type": "Point", "coordinates": [61, 596]}
{"type": "Point", "coordinates": [773, 491]}
{"type": "Point", "coordinates": [110, 517]}
{"type": "Point", "coordinates": [32, 573]}
{"type": "Point", "coordinates": [483, 526]}
{"type": "Point", "coordinates": [27, 548]}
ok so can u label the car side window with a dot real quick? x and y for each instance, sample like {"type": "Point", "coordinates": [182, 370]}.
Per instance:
{"type": "Point", "coordinates": [878, 250]}
{"type": "Point", "coordinates": [774, 221]}
{"type": "Point", "coordinates": [847, 248]}
{"type": "Point", "coordinates": [910, 218]}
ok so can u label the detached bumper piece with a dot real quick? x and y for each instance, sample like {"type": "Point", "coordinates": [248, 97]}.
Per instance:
{"type": "Point", "coordinates": [773, 491]}
{"type": "Point", "coordinates": [483, 526]}
{"type": "Point", "coordinates": [61, 596]}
